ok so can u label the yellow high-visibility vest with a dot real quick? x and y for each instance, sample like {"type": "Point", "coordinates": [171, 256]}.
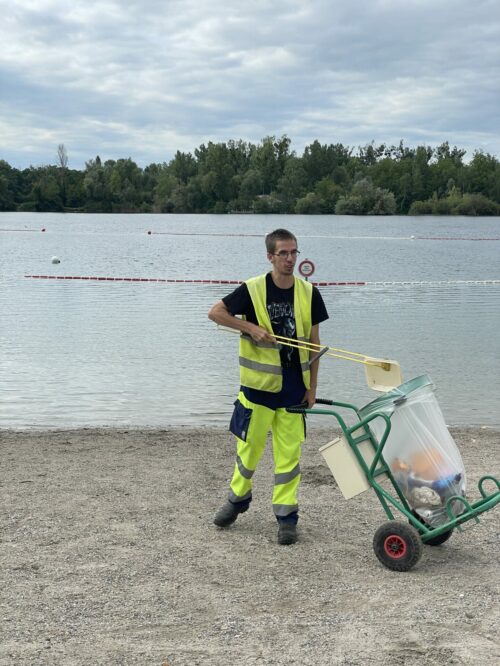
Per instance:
{"type": "Point", "coordinates": [260, 363]}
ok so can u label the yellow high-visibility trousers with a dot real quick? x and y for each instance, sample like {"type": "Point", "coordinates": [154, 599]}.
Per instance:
{"type": "Point", "coordinates": [251, 424]}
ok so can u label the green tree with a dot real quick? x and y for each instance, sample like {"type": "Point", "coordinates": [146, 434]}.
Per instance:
{"type": "Point", "coordinates": [269, 160]}
{"type": "Point", "coordinates": [123, 179]}
{"type": "Point", "coordinates": [311, 204]}
{"type": "Point", "coordinates": [166, 183]}
{"type": "Point", "coordinates": [477, 204]}
{"type": "Point", "coordinates": [268, 177]}
{"type": "Point", "coordinates": [216, 161]}
{"type": "Point", "coordinates": [420, 208]}
{"type": "Point", "coordinates": [369, 155]}
{"type": "Point", "coordinates": [292, 184]}
{"type": "Point", "coordinates": [366, 199]}
{"type": "Point", "coordinates": [74, 191]}
{"type": "Point", "coordinates": [329, 193]}
{"type": "Point", "coordinates": [483, 175]}
{"type": "Point", "coordinates": [183, 166]}
{"type": "Point", "coordinates": [322, 160]}
{"type": "Point", "coordinates": [252, 184]}
{"type": "Point", "coordinates": [97, 196]}
{"type": "Point", "coordinates": [456, 203]}
{"type": "Point", "coordinates": [45, 192]}
{"type": "Point", "coordinates": [446, 166]}
{"type": "Point", "coordinates": [7, 187]}
{"type": "Point", "coordinates": [349, 205]}
{"type": "Point", "coordinates": [387, 174]}
{"type": "Point", "coordinates": [62, 157]}
{"type": "Point", "coordinates": [267, 203]}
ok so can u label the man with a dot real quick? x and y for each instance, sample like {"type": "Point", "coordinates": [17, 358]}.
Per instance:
{"type": "Point", "coordinates": [271, 378]}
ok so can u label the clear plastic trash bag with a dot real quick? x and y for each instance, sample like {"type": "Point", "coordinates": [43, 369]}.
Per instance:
{"type": "Point", "coordinates": [421, 453]}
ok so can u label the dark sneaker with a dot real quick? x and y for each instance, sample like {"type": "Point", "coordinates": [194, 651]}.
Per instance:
{"type": "Point", "coordinates": [226, 515]}
{"type": "Point", "coordinates": [287, 534]}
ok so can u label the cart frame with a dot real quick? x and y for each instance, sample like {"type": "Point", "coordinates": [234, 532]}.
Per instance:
{"type": "Point", "coordinates": [360, 432]}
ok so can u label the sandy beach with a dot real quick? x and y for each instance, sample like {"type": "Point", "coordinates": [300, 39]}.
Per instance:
{"type": "Point", "coordinates": [109, 556]}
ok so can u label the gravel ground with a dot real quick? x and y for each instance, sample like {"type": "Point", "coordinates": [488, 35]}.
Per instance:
{"type": "Point", "coordinates": [109, 556]}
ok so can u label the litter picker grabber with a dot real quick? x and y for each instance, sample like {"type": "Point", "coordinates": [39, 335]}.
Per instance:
{"type": "Point", "coordinates": [433, 501]}
{"type": "Point", "coordinates": [381, 374]}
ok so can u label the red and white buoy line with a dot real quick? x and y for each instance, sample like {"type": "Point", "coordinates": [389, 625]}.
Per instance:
{"type": "Point", "coordinates": [227, 235]}
{"type": "Point", "coordinates": [300, 236]}
{"type": "Point", "coordinates": [201, 233]}
{"type": "Point", "coordinates": [38, 230]}
{"type": "Point", "coordinates": [336, 283]}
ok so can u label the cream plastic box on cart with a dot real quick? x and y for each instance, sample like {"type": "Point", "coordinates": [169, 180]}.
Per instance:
{"type": "Point", "coordinates": [345, 467]}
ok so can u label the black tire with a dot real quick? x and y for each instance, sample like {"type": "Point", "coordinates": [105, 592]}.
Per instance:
{"type": "Point", "coordinates": [437, 540]}
{"type": "Point", "coordinates": [397, 545]}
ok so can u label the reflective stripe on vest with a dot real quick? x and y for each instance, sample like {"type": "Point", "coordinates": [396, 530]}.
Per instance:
{"type": "Point", "coordinates": [260, 364]}
{"type": "Point", "coordinates": [260, 367]}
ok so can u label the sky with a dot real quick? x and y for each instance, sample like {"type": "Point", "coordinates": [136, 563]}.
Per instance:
{"type": "Point", "coordinates": [143, 79]}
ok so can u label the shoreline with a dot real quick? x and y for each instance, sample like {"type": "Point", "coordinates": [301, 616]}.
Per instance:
{"type": "Point", "coordinates": [311, 427]}
{"type": "Point", "coordinates": [109, 556]}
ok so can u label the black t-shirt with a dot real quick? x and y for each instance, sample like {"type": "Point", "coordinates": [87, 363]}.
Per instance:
{"type": "Point", "coordinates": [280, 307]}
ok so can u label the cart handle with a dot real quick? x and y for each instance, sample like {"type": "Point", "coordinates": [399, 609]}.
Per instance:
{"type": "Point", "coordinates": [303, 408]}
{"type": "Point", "coordinates": [381, 444]}
{"type": "Point", "coordinates": [469, 509]}
{"type": "Point", "coordinates": [334, 403]}
{"type": "Point", "coordinates": [487, 478]}
{"type": "Point", "coordinates": [298, 409]}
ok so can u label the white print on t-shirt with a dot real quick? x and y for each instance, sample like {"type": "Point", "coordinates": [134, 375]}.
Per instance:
{"type": "Point", "coordinates": [282, 319]}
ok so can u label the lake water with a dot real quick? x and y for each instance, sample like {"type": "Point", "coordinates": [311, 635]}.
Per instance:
{"type": "Point", "coordinates": [85, 353]}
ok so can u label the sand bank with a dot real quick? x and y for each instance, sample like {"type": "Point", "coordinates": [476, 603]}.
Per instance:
{"type": "Point", "coordinates": [109, 556]}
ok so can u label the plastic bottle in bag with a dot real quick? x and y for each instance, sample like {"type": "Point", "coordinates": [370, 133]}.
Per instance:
{"type": "Point", "coordinates": [422, 455]}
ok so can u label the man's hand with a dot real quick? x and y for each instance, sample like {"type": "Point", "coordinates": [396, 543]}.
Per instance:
{"type": "Point", "coordinates": [310, 397]}
{"type": "Point", "coordinates": [260, 334]}
{"type": "Point", "coordinates": [221, 316]}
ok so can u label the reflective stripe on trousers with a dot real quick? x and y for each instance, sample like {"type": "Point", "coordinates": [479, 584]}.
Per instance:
{"type": "Point", "coordinates": [287, 436]}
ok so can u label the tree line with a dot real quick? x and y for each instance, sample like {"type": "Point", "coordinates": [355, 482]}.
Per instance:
{"type": "Point", "coordinates": [268, 177]}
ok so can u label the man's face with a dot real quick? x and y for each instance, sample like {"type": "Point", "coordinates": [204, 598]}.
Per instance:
{"type": "Point", "coordinates": [284, 257]}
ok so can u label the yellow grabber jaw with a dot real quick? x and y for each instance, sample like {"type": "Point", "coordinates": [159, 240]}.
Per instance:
{"type": "Point", "coordinates": [381, 374]}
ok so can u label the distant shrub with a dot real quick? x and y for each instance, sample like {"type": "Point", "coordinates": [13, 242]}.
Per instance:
{"type": "Point", "coordinates": [366, 199]}
{"type": "Point", "coordinates": [267, 203]}
{"type": "Point", "coordinates": [311, 204]}
{"type": "Point", "coordinates": [351, 205]}
{"type": "Point", "coordinates": [421, 208]}
{"type": "Point", "coordinates": [220, 208]}
{"type": "Point", "coordinates": [385, 204]}
{"type": "Point", "coordinates": [456, 204]}
{"type": "Point", "coordinates": [27, 207]}
{"type": "Point", "coordinates": [441, 207]}
{"type": "Point", "coordinates": [477, 204]}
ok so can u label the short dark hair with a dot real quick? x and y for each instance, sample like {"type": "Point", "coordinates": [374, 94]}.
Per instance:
{"type": "Point", "coordinates": [277, 235]}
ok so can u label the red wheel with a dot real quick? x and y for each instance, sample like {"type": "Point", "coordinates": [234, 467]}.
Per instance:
{"type": "Point", "coordinates": [397, 545]}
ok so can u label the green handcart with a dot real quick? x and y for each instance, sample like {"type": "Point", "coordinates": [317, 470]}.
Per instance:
{"type": "Point", "coordinates": [357, 461]}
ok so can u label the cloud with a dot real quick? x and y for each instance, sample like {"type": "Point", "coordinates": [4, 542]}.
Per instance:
{"type": "Point", "coordinates": [144, 79]}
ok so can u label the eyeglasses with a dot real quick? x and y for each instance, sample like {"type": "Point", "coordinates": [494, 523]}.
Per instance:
{"type": "Point", "coordinates": [283, 254]}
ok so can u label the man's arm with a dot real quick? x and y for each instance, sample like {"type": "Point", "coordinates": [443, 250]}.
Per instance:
{"type": "Point", "coordinates": [310, 394]}
{"type": "Point", "coordinates": [221, 315]}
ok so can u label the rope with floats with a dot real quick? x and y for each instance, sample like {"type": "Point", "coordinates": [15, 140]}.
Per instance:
{"type": "Point", "coordinates": [337, 283]}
